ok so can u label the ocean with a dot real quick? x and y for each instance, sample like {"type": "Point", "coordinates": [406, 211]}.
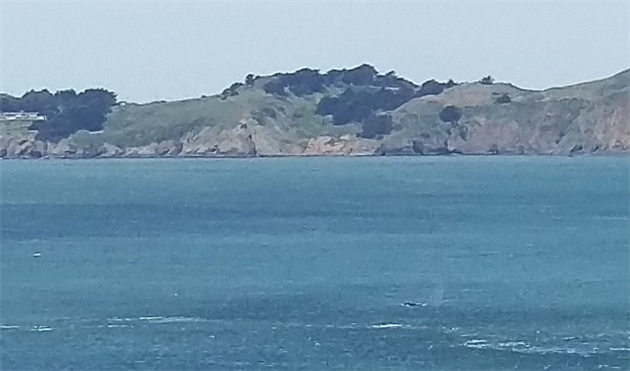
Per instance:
{"type": "Point", "coordinates": [401, 263]}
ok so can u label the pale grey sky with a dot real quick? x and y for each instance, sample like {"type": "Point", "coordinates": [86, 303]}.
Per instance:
{"type": "Point", "coordinates": [150, 50]}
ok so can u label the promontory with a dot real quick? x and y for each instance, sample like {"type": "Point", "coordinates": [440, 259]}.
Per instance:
{"type": "Point", "coordinates": [356, 111]}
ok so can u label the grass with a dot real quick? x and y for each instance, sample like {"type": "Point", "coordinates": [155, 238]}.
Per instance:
{"type": "Point", "coordinates": [14, 128]}
{"type": "Point", "coordinates": [137, 125]}
{"type": "Point", "coordinates": [293, 118]}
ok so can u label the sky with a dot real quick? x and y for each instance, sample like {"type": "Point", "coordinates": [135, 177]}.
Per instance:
{"type": "Point", "coordinates": [168, 50]}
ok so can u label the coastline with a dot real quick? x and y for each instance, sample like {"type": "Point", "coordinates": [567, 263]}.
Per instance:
{"type": "Point", "coordinates": [616, 154]}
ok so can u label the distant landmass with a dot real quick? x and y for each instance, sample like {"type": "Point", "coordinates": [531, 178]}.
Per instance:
{"type": "Point", "coordinates": [356, 111]}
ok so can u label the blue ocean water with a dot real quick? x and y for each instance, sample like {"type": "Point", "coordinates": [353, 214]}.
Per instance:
{"type": "Point", "coordinates": [315, 263]}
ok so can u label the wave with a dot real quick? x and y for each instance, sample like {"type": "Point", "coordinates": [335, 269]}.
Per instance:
{"type": "Point", "coordinates": [116, 326]}
{"type": "Point", "coordinates": [41, 328]}
{"type": "Point", "coordinates": [521, 346]}
{"type": "Point", "coordinates": [157, 319]}
{"type": "Point", "coordinates": [177, 319]}
{"type": "Point", "coordinates": [611, 217]}
{"type": "Point", "coordinates": [477, 344]}
{"type": "Point", "coordinates": [513, 344]}
{"type": "Point", "coordinates": [387, 325]}
{"type": "Point", "coordinates": [118, 319]}
{"type": "Point", "coordinates": [8, 327]}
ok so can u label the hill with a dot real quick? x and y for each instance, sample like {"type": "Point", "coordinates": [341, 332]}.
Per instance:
{"type": "Point", "coordinates": [355, 111]}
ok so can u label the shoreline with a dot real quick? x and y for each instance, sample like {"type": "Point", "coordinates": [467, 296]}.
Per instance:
{"type": "Point", "coordinates": [223, 157]}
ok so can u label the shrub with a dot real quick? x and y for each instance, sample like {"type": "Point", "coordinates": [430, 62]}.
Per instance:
{"type": "Point", "coordinates": [450, 114]}
{"type": "Point", "coordinates": [430, 87]}
{"type": "Point", "coordinates": [327, 106]}
{"type": "Point", "coordinates": [67, 112]}
{"type": "Point", "coordinates": [249, 80]}
{"type": "Point", "coordinates": [376, 125]}
{"type": "Point", "coordinates": [449, 84]}
{"type": "Point", "coordinates": [488, 80]}
{"type": "Point", "coordinates": [362, 75]}
{"type": "Point", "coordinates": [232, 91]}
{"type": "Point", "coordinates": [275, 87]}
{"type": "Point", "coordinates": [504, 98]}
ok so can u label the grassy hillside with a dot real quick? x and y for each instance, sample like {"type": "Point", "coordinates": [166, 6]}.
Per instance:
{"type": "Point", "coordinates": [136, 125]}
{"type": "Point", "coordinates": [583, 118]}
{"type": "Point", "coordinates": [288, 101]}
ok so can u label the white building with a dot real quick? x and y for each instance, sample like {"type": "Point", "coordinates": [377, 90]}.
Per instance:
{"type": "Point", "coordinates": [21, 116]}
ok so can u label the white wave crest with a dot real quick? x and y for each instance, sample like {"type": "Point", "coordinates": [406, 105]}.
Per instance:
{"type": "Point", "coordinates": [513, 344]}
{"type": "Point", "coordinates": [156, 319]}
{"type": "Point", "coordinates": [41, 328]}
{"type": "Point", "coordinates": [387, 325]}
{"type": "Point", "coordinates": [177, 319]}
{"type": "Point", "coordinates": [477, 344]}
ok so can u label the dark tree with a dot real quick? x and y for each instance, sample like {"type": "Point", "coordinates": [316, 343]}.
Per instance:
{"type": "Point", "coordinates": [450, 114]}
{"type": "Point", "coordinates": [327, 106]}
{"type": "Point", "coordinates": [349, 106]}
{"type": "Point", "coordinates": [65, 97]}
{"type": "Point", "coordinates": [387, 99]}
{"type": "Point", "coordinates": [356, 104]}
{"type": "Point", "coordinates": [235, 86]}
{"type": "Point", "coordinates": [430, 87]}
{"type": "Point", "coordinates": [9, 104]}
{"type": "Point", "coordinates": [449, 84]}
{"type": "Point", "coordinates": [333, 77]}
{"type": "Point", "coordinates": [362, 75]}
{"type": "Point", "coordinates": [37, 101]}
{"type": "Point", "coordinates": [303, 82]}
{"type": "Point", "coordinates": [351, 109]}
{"type": "Point", "coordinates": [377, 125]}
{"type": "Point", "coordinates": [68, 112]}
{"type": "Point", "coordinates": [385, 81]}
{"type": "Point", "coordinates": [96, 99]}
{"type": "Point", "coordinates": [275, 87]}
{"type": "Point", "coordinates": [488, 80]}
{"type": "Point", "coordinates": [359, 101]}
{"type": "Point", "coordinates": [249, 80]}
{"type": "Point", "coordinates": [232, 91]}
{"type": "Point", "coordinates": [504, 98]}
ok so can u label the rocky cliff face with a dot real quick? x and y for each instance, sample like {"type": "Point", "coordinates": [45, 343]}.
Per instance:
{"type": "Point", "coordinates": [574, 120]}
{"type": "Point", "coordinates": [494, 119]}
{"type": "Point", "coordinates": [248, 139]}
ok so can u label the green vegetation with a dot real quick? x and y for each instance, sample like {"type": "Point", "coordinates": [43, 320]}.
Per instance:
{"type": "Point", "coordinates": [15, 128]}
{"type": "Point", "coordinates": [365, 91]}
{"type": "Point", "coordinates": [363, 110]}
{"type": "Point", "coordinates": [67, 111]}
{"type": "Point", "coordinates": [377, 125]}
{"type": "Point", "coordinates": [136, 125]}
{"type": "Point", "coordinates": [503, 98]}
{"type": "Point", "coordinates": [450, 114]}
{"type": "Point", "coordinates": [303, 103]}
{"type": "Point", "coordinates": [488, 80]}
